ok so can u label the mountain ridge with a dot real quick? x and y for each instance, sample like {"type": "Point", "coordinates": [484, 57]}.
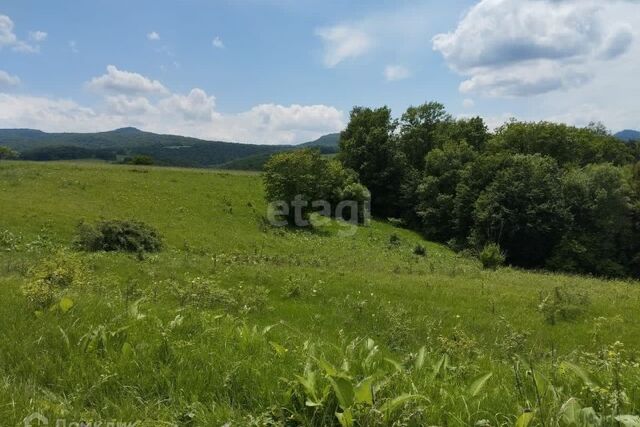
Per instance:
{"type": "Point", "coordinates": [628, 135]}
{"type": "Point", "coordinates": [126, 142]}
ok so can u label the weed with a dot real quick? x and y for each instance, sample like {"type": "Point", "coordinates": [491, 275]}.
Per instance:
{"type": "Point", "coordinates": [49, 279]}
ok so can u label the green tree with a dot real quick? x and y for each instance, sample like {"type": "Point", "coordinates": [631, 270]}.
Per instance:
{"type": "Point", "coordinates": [422, 129]}
{"type": "Point", "coordinates": [522, 210]}
{"type": "Point", "coordinates": [7, 153]}
{"type": "Point", "coordinates": [567, 144]}
{"type": "Point", "coordinates": [598, 240]}
{"type": "Point", "coordinates": [305, 176]}
{"type": "Point", "coordinates": [369, 147]}
{"type": "Point", "coordinates": [435, 196]}
{"type": "Point", "coordinates": [474, 178]}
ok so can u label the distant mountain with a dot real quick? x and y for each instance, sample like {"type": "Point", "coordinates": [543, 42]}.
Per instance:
{"type": "Point", "coordinates": [331, 140]}
{"type": "Point", "coordinates": [628, 135]}
{"type": "Point", "coordinates": [128, 142]}
{"type": "Point", "coordinates": [169, 150]}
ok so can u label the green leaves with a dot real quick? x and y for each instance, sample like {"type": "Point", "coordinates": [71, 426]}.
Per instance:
{"type": "Point", "coordinates": [343, 389]}
{"type": "Point", "coordinates": [584, 375]}
{"type": "Point", "coordinates": [393, 404]}
{"type": "Point", "coordinates": [525, 419]}
{"type": "Point", "coordinates": [478, 384]}
{"type": "Point", "coordinates": [66, 304]}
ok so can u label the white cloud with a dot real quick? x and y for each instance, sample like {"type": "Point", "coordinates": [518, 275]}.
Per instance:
{"type": "Point", "coordinates": [7, 79]}
{"type": "Point", "coordinates": [342, 42]}
{"type": "Point", "coordinates": [73, 45]}
{"type": "Point", "coordinates": [153, 36]}
{"type": "Point", "coordinates": [126, 82]}
{"type": "Point", "coordinates": [192, 114]}
{"type": "Point", "coordinates": [528, 47]}
{"type": "Point", "coordinates": [129, 106]}
{"type": "Point", "coordinates": [38, 36]}
{"type": "Point", "coordinates": [9, 39]}
{"type": "Point", "coordinates": [197, 105]}
{"type": "Point", "coordinates": [218, 43]}
{"type": "Point", "coordinates": [468, 103]}
{"type": "Point", "coordinates": [396, 72]}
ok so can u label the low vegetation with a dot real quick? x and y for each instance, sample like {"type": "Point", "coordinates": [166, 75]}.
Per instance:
{"type": "Point", "coordinates": [117, 235]}
{"type": "Point", "coordinates": [237, 324]}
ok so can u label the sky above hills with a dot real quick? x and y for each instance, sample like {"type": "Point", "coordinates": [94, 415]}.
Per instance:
{"type": "Point", "coordinates": [287, 71]}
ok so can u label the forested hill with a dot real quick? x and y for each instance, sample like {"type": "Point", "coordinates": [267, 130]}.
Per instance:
{"type": "Point", "coordinates": [329, 141]}
{"type": "Point", "coordinates": [127, 142]}
{"type": "Point", "coordinates": [171, 150]}
{"type": "Point", "coordinates": [628, 135]}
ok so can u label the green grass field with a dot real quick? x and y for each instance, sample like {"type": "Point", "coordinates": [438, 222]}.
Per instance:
{"type": "Point", "coordinates": [236, 323]}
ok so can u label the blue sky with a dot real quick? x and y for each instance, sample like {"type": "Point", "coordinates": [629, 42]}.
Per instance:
{"type": "Point", "coordinates": [285, 71]}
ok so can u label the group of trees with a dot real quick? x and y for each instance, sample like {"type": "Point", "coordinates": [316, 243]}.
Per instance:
{"type": "Point", "coordinates": [305, 181]}
{"type": "Point", "coordinates": [552, 196]}
{"type": "Point", "coordinates": [7, 153]}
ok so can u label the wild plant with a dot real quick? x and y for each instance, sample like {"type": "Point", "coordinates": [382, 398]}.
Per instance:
{"type": "Point", "coordinates": [51, 278]}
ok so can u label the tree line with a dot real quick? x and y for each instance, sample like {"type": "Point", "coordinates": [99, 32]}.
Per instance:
{"type": "Point", "coordinates": [549, 195]}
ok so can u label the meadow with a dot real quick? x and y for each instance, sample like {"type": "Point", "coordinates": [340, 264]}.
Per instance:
{"type": "Point", "coordinates": [238, 323]}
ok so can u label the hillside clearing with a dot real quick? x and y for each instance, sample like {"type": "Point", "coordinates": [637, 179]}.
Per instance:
{"type": "Point", "coordinates": [140, 341]}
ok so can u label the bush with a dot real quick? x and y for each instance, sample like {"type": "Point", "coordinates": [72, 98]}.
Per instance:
{"type": "Point", "coordinates": [115, 235]}
{"type": "Point", "coordinates": [49, 279]}
{"type": "Point", "coordinates": [420, 250]}
{"type": "Point", "coordinates": [7, 153]}
{"type": "Point", "coordinates": [141, 160]}
{"type": "Point", "coordinates": [305, 176]}
{"type": "Point", "coordinates": [492, 256]}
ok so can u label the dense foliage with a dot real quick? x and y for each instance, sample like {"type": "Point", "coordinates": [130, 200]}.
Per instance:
{"type": "Point", "coordinates": [549, 195]}
{"type": "Point", "coordinates": [306, 176]}
{"type": "Point", "coordinates": [118, 235]}
{"type": "Point", "coordinates": [7, 153]}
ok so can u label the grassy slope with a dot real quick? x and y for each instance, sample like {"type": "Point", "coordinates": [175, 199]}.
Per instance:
{"type": "Point", "coordinates": [211, 222]}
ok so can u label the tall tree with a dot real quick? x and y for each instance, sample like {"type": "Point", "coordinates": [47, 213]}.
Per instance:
{"type": "Point", "coordinates": [598, 239]}
{"type": "Point", "coordinates": [368, 146]}
{"type": "Point", "coordinates": [435, 196]}
{"type": "Point", "coordinates": [523, 210]}
{"type": "Point", "coordinates": [422, 130]}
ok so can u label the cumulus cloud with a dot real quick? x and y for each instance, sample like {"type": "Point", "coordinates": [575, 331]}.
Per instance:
{"type": "Point", "coordinates": [192, 114]}
{"type": "Point", "coordinates": [528, 47]}
{"type": "Point", "coordinates": [342, 42]}
{"type": "Point", "coordinates": [126, 82]}
{"type": "Point", "coordinates": [38, 36]}
{"type": "Point", "coordinates": [217, 43]}
{"type": "Point", "coordinates": [396, 72]}
{"type": "Point", "coordinates": [197, 105]}
{"type": "Point", "coordinates": [7, 79]}
{"type": "Point", "coordinates": [9, 39]}
{"type": "Point", "coordinates": [124, 105]}
{"type": "Point", "coordinates": [468, 103]}
{"type": "Point", "coordinates": [153, 36]}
